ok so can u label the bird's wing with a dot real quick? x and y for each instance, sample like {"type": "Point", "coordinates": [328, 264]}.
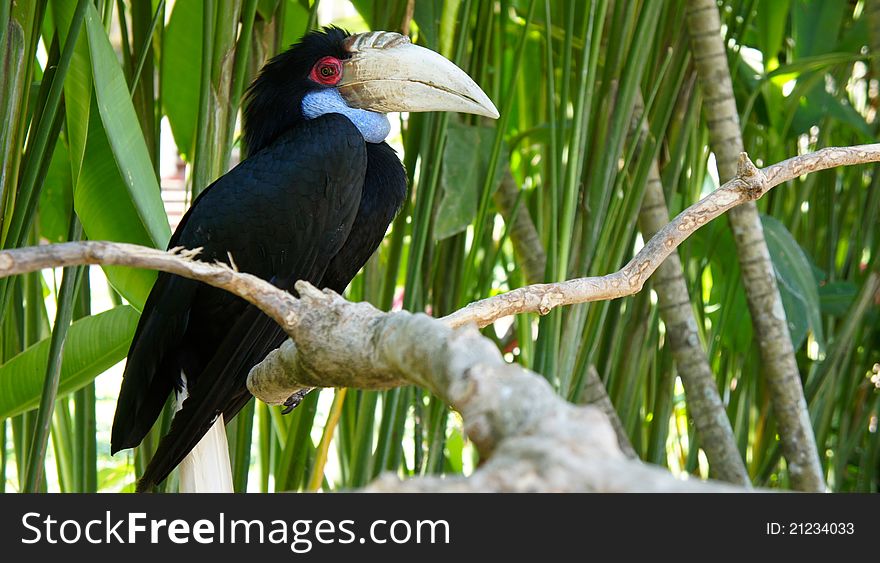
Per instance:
{"type": "Point", "coordinates": [221, 388]}
{"type": "Point", "coordinates": [145, 385]}
{"type": "Point", "coordinates": [282, 214]}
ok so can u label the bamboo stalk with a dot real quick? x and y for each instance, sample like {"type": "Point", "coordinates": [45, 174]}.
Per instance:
{"type": "Point", "coordinates": [674, 304]}
{"type": "Point", "coordinates": [765, 305]}
{"type": "Point", "coordinates": [37, 453]}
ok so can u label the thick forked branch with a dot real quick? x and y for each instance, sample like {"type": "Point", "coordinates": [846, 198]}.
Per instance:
{"type": "Point", "coordinates": [533, 439]}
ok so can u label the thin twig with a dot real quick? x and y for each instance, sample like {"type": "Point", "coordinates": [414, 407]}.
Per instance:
{"type": "Point", "coordinates": [749, 184]}
{"type": "Point", "coordinates": [274, 302]}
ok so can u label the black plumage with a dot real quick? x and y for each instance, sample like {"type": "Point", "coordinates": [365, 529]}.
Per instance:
{"type": "Point", "coordinates": [312, 201]}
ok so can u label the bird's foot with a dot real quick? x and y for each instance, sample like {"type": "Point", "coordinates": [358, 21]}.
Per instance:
{"type": "Point", "coordinates": [294, 400]}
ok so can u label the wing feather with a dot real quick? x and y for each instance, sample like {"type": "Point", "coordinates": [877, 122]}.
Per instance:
{"type": "Point", "coordinates": [282, 214]}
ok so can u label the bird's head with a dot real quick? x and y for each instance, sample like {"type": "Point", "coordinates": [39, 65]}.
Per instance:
{"type": "Point", "coordinates": [361, 76]}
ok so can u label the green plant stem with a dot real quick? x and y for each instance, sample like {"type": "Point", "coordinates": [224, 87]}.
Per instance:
{"type": "Point", "coordinates": [242, 54]}
{"type": "Point", "coordinates": [37, 455]}
{"type": "Point", "coordinates": [145, 49]}
{"type": "Point", "coordinates": [202, 165]}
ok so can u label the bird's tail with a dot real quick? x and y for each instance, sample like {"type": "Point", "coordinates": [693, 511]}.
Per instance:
{"type": "Point", "coordinates": [205, 469]}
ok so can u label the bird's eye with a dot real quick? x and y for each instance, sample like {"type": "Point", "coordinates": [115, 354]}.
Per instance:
{"type": "Point", "coordinates": [327, 71]}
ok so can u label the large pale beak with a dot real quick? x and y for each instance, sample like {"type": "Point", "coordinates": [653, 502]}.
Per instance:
{"type": "Point", "coordinates": [388, 73]}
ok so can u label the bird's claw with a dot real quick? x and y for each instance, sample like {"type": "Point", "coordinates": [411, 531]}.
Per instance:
{"type": "Point", "coordinates": [294, 400]}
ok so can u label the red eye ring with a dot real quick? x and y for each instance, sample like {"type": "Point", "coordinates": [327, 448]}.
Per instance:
{"type": "Point", "coordinates": [327, 71]}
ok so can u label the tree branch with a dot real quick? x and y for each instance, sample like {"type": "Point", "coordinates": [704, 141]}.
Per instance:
{"type": "Point", "coordinates": [749, 184]}
{"type": "Point", "coordinates": [277, 304]}
{"type": "Point", "coordinates": [779, 367]}
{"type": "Point", "coordinates": [532, 439]}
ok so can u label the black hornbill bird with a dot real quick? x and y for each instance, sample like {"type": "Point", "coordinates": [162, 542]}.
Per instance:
{"type": "Point", "coordinates": [312, 201]}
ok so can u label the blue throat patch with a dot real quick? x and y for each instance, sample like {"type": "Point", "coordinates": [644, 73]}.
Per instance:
{"type": "Point", "coordinates": [373, 126]}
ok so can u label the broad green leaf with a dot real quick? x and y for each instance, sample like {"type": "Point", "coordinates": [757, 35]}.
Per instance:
{"type": "Point", "coordinates": [427, 15]}
{"type": "Point", "coordinates": [93, 345]}
{"type": "Point", "coordinates": [107, 212]}
{"type": "Point", "coordinates": [180, 74]}
{"type": "Point", "coordinates": [116, 193]}
{"type": "Point", "coordinates": [124, 133]}
{"type": "Point", "coordinates": [837, 297]}
{"type": "Point", "coordinates": [13, 92]}
{"type": "Point", "coordinates": [856, 36]}
{"type": "Point", "coordinates": [818, 105]}
{"type": "Point", "coordinates": [77, 87]}
{"type": "Point", "coordinates": [823, 62]}
{"type": "Point", "coordinates": [62, 14]}
{"type": "Point", "coordinates": [56, 197]}
{"type": "Point", "coordinates": [455, 450]}
{"type": "Point", "coordinates": [771, 21]}
{"type": "Point", "coordinates": [797, 284]}
{"type": "Point", "coordinates": [816, 26]}
{"type": "Point", "coordinates": [729, 314]}
{"type": "Point", "coordinates": [296, 19]}
{"type": "Point", "coordinates": [465, 164]}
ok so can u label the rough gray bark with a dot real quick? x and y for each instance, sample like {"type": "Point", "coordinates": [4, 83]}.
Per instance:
{"type": "Point", "coordinates": [595, 394]}
{"type": "Point", "coordinates": [533, 440]}
{"type": "Point", "coordinates": [779, 365]}
{"type": "Point", "coordinates": [674, 304]}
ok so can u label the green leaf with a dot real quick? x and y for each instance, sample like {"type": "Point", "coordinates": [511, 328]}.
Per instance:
{"type": "Point", "coordinates": [77, 87]}
{"type": "Point", "coordinates": [427, 15]}
{"type": "Point", "coordinates": [836, 298]}
{"type": "Point", "coordinates": [124, 133]}
{"type": "Point", "coordinates": [180, 74]}
{"type": "Point", "coordinates": [296, 19]}
{"type": "Point", "coordinates": [855, 36]}
{"type": "Point", "coordinates": [818, 105]}
{"type": "Point", "coordinates": [116, 194]}
{"type": "Point", "coordinates": [107, 213]}
{"type": "Point", "coordinates": [771, 20]}
{"type": "Point", "coordinates": [816, 26]}
{"type": "Point", "coordinates": [816, 63]}
{"type": "Point", "coordinates": [465, 164]}
{"type": "Point", "coordinates": [797, 284]}
{"type": "Point", "coordinates": [730, 319]}
{"type": "Point", "coordinates": [455, 450]}
{"type": "Point", "coordinates": [266, 8]}
{"type": "Point", "coordinates": [93, 345]}
{"type": "Point", "coordinates": [116, 479]}
{"type": "Point", "coordinates": [56, 197]}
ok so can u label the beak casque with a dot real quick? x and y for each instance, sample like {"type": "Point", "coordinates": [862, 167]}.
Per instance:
{"type": "Point", "coordinates": [388, 73]}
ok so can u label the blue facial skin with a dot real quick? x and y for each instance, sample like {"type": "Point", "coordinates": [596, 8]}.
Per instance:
{"type": "Point", "coordinates": [373, 126]}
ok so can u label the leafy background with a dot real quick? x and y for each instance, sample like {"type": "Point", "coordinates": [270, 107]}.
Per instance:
{"type": "Point", "coordinates": [99, 97]}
